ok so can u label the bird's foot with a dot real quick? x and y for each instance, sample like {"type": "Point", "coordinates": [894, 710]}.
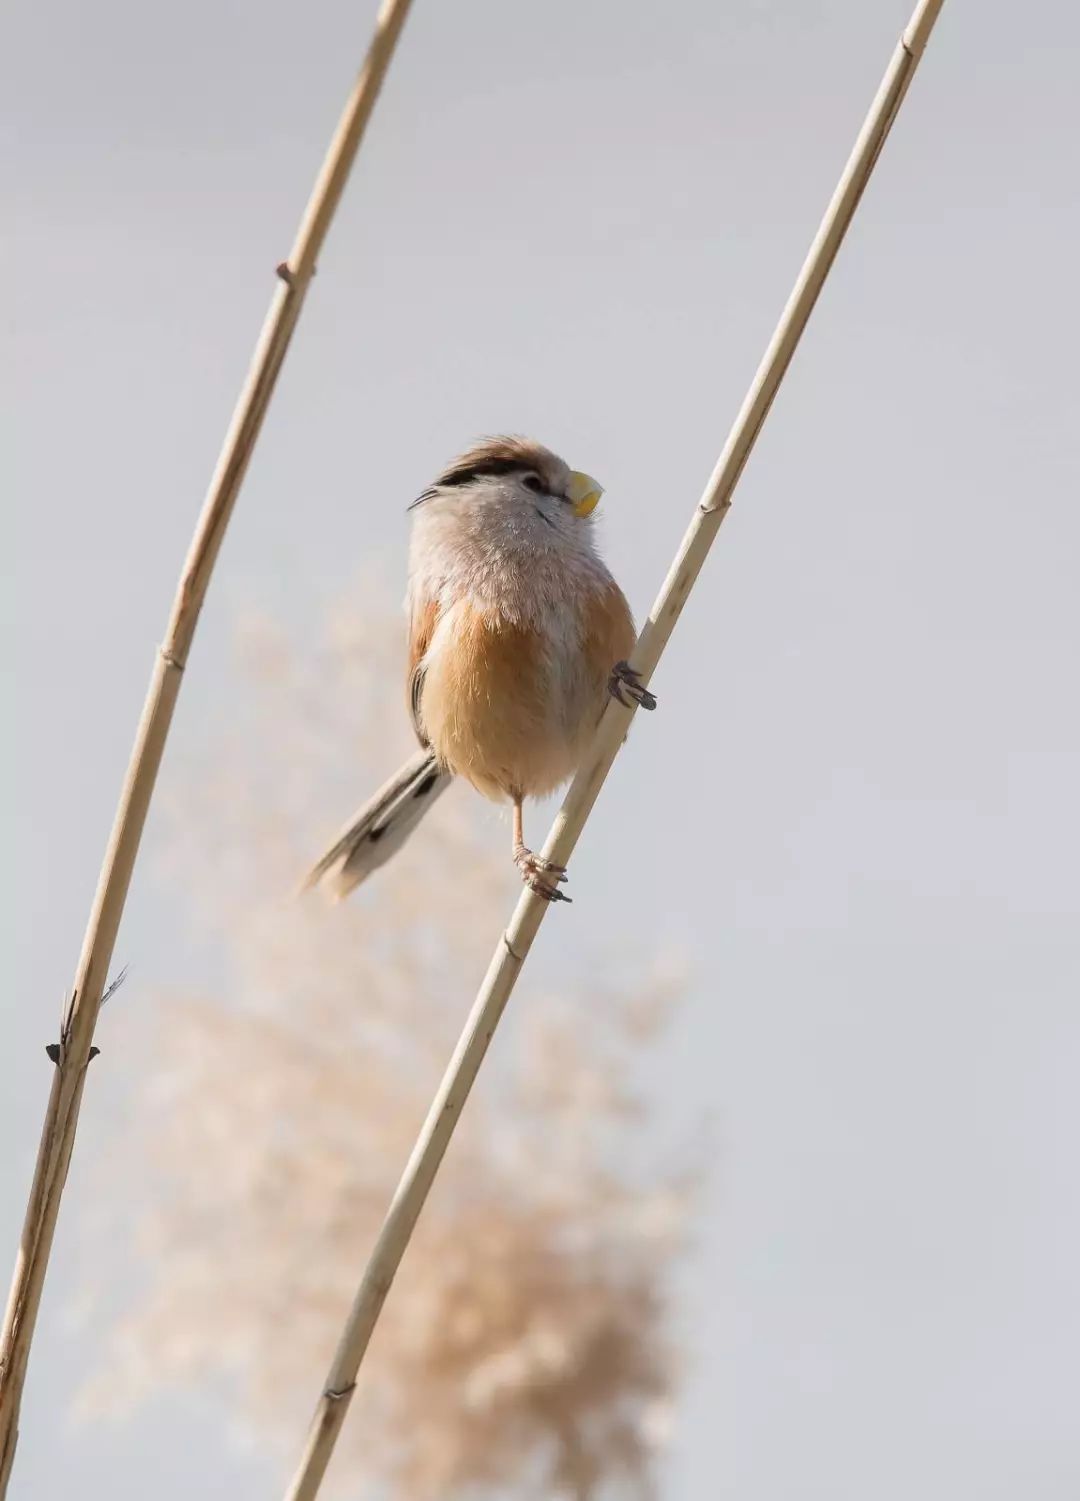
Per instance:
{"type": "Point", "coordinates": [540, 875]}
{"type": "Point", "coordinates": [626, 687]}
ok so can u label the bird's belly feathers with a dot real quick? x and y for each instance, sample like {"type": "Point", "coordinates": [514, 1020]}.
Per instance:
{"type": "Point", "coordinates": [512, 706]}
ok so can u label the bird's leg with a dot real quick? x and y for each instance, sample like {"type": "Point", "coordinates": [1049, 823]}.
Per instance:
{"type": "Point", "coordinates": [540, 875]}
{"type": "Point", "coordinates": [626, 687]}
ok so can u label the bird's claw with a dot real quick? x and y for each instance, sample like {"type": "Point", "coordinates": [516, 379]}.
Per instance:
{"type": "Point", "coordinates": [540, 875]}
{"type": "Point", "coordinates": [626, 687]}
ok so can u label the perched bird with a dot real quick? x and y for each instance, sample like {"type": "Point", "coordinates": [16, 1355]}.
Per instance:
{"type": "Point", "coordinates": [517, 634]}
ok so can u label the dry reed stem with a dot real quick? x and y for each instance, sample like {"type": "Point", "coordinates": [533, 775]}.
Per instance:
{"type": "Point", "coordinates": [81, 1012]}
{"type": "Point", "coordinates": [515, 943]}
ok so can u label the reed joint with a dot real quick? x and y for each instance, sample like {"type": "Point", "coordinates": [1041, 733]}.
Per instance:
{"type": "Point", "coordinates": [53, 1052]}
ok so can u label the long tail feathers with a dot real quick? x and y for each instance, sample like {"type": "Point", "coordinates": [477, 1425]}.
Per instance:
{"type": "Point", "coordinates": [379, 829]}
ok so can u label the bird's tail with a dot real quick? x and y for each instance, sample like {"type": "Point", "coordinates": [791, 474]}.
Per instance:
{"type": "Point", "coordinates": [379, 829]}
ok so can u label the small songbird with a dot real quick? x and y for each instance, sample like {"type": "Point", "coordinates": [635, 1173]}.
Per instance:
{"type": "Point", "coordinates": [517, 634]}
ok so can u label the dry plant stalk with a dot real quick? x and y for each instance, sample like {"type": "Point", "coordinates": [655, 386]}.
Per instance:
{"type": "Point", "coordinates": [81, 1011]}
{"type": "Point", "coordinates": [527, 1351]}
{"type": "Point", "coordinates": [514, 945]}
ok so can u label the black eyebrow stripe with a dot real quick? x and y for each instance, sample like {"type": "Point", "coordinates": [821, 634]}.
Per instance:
{"type": "Point", "coordinates": [482, 469]}
{"type": "Point", "coordinates": [466, 473]}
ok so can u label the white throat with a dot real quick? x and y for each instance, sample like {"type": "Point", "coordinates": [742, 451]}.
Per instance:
{"type": "Point", "coordinates": [521, 556]}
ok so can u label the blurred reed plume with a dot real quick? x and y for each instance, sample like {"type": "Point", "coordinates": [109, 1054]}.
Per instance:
{"type": "Point", "coordinates": [524, 1349]}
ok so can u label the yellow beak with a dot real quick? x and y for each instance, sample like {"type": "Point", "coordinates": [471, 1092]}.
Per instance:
{"type": "Point", "coordinates": [583, 492]}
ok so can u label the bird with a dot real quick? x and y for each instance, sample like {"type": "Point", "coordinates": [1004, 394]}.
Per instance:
{"type": "Point", "coordinates": [517, 635]}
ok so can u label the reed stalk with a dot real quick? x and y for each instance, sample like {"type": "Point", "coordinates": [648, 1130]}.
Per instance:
{"type": "Point", "coordinates": [514, 944]}
{"type": "Point", "coordinates": [74, 1051]}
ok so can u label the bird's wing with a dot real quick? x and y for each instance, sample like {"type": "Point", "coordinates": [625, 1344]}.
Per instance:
{"type": "Point", "coordinates": [424, 619]}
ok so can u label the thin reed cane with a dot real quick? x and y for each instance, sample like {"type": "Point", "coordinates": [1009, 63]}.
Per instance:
{"type": "Point", "coordinates": [515, 943]}
{"type": "Point", "coordinates": [81, 1011]}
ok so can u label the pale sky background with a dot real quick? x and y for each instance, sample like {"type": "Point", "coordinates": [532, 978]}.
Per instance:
{"type": "Point", "coordinates": [858, 807]}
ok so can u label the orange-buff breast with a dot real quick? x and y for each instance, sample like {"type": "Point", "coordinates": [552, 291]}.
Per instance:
{"type": "Point", "coordinates": [512, 707]}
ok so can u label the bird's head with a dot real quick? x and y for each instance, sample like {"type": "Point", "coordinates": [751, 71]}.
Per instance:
{"type": "Point", "coordinates": [508, 472]}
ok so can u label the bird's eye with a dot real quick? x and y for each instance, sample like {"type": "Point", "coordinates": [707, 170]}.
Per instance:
{"type": "Point", "coordinates": [534, 483]}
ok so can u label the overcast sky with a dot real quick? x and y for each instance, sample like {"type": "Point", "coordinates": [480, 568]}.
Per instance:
{"type": "Point", "coordinates": [580, 219]}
